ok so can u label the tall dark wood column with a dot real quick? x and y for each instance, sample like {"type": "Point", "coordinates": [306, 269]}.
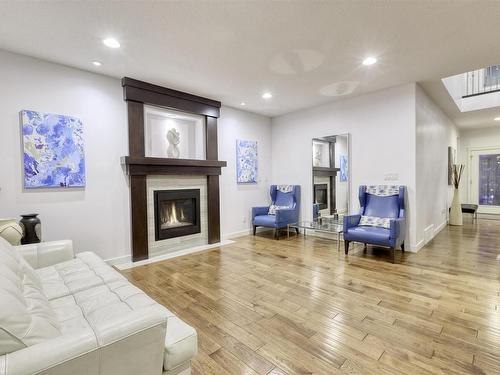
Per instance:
{"type": "Point", "coordinates": [138, 93]}
{"type": "Point", "coordinates": [213, 208]}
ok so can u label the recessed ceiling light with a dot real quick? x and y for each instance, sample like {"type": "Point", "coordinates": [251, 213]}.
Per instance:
{"type": "Point", "coordinates": [497, 119]}
{"type": "Point", "coordinates": [267, 95]}
{"type": "Point", "coordinates": [111, 43]}
{"type": "Point", "coordinates": [97, 63]}
{"type": "Point", "coordinates": [369, 61]}
{"type": "Point", "coordinates": [243, 103]}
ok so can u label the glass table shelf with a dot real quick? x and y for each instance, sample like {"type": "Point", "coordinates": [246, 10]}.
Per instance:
{"type": "Point", "coordinates": [323, 225]}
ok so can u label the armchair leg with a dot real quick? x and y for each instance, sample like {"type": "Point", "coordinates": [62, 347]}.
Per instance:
{"type": "Point", "coordinates": [297, 230]}
{"type": "Point", "coordinates": [254, 229]}
{"type": "Point", "coordinates": [346, 246]}
{"type": "Point", "coordinates": [393, 251]}
{"type": "Point", "coordinates": [276, 234]}
{"type": "Point", "coordinates": [365, 248]}
{"type": "Point", "coordinates": [403, 247]}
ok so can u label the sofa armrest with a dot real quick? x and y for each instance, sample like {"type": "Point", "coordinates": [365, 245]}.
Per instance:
{"type": "Point", "coordinates": [133, 343]}
{"type": "Point", "coordinates": [256, 211]}
{"type": "Point", "coordinates": [52, 356]}
{"type": "Point", "coordinates": [46, 254]}
{"type": "Point", "coordinates": [286, 215]}
{"type": "Point", "coordinates": [131, 323]}
{"type": "Point", "coordinates": [351, 221]}
{"type": "Point", "coordinates": [397, 228]}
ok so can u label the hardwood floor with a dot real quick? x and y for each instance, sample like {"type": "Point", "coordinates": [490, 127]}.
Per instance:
{"type": "Point", "coordinates": [298, 306]}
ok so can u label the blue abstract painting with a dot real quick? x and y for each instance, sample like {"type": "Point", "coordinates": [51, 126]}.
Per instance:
{"type": "Point", "coordinates": [246, 162]}
{"type": "Point", "coordinates": [53, 150]}
{"type": "Point", "coordinates": [344, 171]}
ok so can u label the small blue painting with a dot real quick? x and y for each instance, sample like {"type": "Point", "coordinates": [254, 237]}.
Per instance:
{"type": "Point", "coordinates": [344, 168]}
{"type": "Point", "coordinates": [53, 150]}
{"type": "Point", "coordinates": [246, 162]}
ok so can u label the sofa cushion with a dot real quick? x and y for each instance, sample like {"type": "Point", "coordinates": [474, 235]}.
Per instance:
{"type": "Point", "coordinates": [273, 208]}
{"type": "Point", "coordinates": [86, 271]}
{"type": "Point", "coordinates": [265, 220]}
{"type": "Point", "coordinates": [284, 199]}
{"type": "Point", "coordinates": [382, 206]}
{"type": "Point", "coordinates": [26, 317]}
{"type": "Point", "coordinates": [372, 221]}
{"type": "Point", "coordinates": [373, 235]}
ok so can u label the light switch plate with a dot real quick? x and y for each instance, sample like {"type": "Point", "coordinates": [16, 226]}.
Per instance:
{"type": "Point", "coordinates": [391, 177]}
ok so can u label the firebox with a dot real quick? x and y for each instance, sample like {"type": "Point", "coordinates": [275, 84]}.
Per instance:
{"type": "Point", "coordinates": [320, 195]}
{"type": "Point", "coordinates": [177, 213]}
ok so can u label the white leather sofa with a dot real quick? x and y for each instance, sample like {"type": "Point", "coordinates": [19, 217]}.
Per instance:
{"type": "Point", "coordinates": [67, 315]}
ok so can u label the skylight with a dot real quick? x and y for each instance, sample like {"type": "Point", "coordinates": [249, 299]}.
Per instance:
{"type": "Point", "coordinates": [474, 90]}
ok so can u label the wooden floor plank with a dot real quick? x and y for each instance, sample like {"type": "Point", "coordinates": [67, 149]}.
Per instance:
{"type": "Point", "coordinates": [297, 306]}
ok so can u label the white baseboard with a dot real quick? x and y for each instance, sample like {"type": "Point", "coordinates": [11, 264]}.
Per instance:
{"type": "Point", "coordinates": [245, 232]}
{"type": "Point", "coordinates": [175, 254]}
{"type": "Point", "coordinates": [237, 234]}
{"type": "Point", "coordinates": [420, 244]}
{"type": "Point", "coordinates": [440, 227]}
{"type": "Point", "coordinates": [487, 216]}
{"type": "Point", "coordinates": [119, 260]}
{"type": "Point", "coordinates": [416, 247]}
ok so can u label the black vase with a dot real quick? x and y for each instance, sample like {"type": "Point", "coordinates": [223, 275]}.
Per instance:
{"type": "Point", "coordinates": [32, 229]}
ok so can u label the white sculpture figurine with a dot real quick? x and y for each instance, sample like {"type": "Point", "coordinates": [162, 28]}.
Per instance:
{"type": "Point", "coordinates": [173, 138]}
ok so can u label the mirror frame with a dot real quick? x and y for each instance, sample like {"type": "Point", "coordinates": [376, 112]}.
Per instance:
{"type": "Point", "coordinates": [326, 169]}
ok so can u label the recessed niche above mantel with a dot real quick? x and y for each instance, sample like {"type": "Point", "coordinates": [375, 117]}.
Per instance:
{"type": "Point", "coordinates": [161, 125]}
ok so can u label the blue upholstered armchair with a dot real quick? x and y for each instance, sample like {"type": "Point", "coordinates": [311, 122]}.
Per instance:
{"type": "Point", "coordinates": [284, 209]}
{"type": "Point", "coordinates": [381, 220]}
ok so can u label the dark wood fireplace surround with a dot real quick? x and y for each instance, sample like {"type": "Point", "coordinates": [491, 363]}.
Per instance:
{"type": "Point", "coordinates": [137, 94]}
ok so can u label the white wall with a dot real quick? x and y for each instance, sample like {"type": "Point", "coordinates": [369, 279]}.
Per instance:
{"type": "Point", "coordinates": [237, 200]}
{"type": "Point", "coordinates": [382, 129]}
{"type": "Point", "coordinates": [478, 138]}
{"type": "Point", "coordinates": [434, 133]}
{"type": "Point", "coordinates": [97, 217]}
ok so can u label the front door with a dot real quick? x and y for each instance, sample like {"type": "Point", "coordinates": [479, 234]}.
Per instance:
{"type": "Point", "coordinates": [485, 179]}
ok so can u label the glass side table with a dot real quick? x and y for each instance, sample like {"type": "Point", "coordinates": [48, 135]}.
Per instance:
{"type": "Point", "coordinates": [324, 225]}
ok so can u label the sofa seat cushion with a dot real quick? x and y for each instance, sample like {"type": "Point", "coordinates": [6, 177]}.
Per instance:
{"type": "Point", "coordinates": [26, 317]}
{"type": "Point", "coordinates": [265, 220]}
{"type": "Point", "coordinates": [86, 271]}
{"type": "Point", "coordinates": [373, 235]}
{"type": "Point", "coordinates": [181, 343]}
{"type": "Point", "coordinates": [100, 306]}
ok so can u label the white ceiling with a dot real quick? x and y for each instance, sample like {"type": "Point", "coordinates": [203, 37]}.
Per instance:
{"type": "Point", "coordinates": [302, 51]}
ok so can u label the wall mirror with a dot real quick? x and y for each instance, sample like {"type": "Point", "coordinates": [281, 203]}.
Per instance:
{"type": "Point", "coordinates": [331, 176]}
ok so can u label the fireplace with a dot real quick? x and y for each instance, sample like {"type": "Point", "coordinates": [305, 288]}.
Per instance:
{"type": "Point", "coordinates": [320, 195]}
{"type": "Point", "coordinates": [177, 213]}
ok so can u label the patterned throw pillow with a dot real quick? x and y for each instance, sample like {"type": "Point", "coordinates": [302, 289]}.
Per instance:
{"type": "Point", "coordinates": [273, 208]}
{"type": "Point", "coordinates": [383, 190]}
{"type": "Point", "coordinates": [373, 221]}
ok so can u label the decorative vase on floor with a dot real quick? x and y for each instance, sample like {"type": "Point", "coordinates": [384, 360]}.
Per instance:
{"type": "Point", "coordinates": [11, 231]}
{"type": "Point", "coordinates": [456, 209]}
{"type": "Point", "coordinates": [32, 228]}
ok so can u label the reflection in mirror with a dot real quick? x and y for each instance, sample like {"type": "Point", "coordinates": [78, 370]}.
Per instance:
{"type": "Point", "coordinates": [330, 165]}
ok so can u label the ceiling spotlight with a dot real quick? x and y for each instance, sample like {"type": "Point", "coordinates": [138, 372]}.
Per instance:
{"type": "Point", "coordinates": [497, 119]}
{"type": "Point", "coordinates": [111, 43]}
{"type": "Point", "coordinates": [97, 63]}
{"type": "Point", "coordinates": [243, 103]}
{"type": "Point", "coordinates": [369, 61]}
{"type": "Point", "coordinates": [267, 95]}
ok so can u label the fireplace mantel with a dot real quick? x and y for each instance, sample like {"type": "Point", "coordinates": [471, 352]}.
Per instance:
{"type": "Point", "coordinates": [140, 166]}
